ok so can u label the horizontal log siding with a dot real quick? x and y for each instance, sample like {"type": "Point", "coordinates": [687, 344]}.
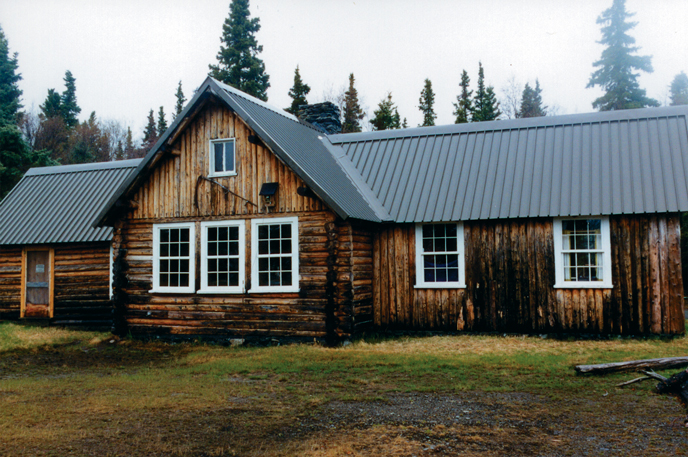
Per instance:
{"type": "Point", "coordinates": [510, 277]}
{"type": "Point", "coordinates": [82, 284]}
{"type": "Point", "coordinates": [81, 289]}
{"type": "Point", "coordinates": [10, 282]}
{"type": "Point", "coordinates": [324, 265]}
{"type": "Point", "coordinates": [172, 191]}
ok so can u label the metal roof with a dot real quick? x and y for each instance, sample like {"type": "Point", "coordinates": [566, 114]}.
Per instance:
{"type": "Point", "coordinates": [301, 146]}
{"type": "Point", "coordinates": [616, 162]}
{"type": "Point", "coordinates": [59, 204]}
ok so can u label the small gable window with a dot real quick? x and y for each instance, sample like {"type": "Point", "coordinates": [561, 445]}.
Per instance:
{"type": "Point", "coordinates": [222, 157]}
{"type": "Point", "coordinates": [582, 251]}
{"type": "Point", "coordinates": [439, 256]}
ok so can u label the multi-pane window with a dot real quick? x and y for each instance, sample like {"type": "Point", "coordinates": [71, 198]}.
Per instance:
{"type": "Point", "coordinates": [222, 259]}
{"type": "Point", "coordinates": [274, 247]}
{"type": "Point", "coordinates": [222, 158]}
{"type": "Point", "coordinates": [173, 255]}
{"type": "Point", "coordinates": [439, 255]}
{"type": "Point", "coordinates": [582, 251]}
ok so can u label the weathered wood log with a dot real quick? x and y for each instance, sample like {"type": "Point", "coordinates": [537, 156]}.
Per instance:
{"type": "Point", "coordinates": [633, 365]}
{"type": "Point", "coordinates": [676, 385]}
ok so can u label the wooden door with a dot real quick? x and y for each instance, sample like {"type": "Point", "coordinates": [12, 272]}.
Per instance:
{"type": "Point", "coordinates": [37, 280]}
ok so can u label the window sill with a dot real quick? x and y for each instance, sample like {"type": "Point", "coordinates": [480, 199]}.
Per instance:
{"type": "Point", "coordinates": [444, 285]}
{"type": "Point", "coordinates": [222, 175]}
{"type": "Point", "coordinates": [171, 291]}
{"type": "Point", "coordinates": [584, 285]}
{"type": "Point", "coordinates": [273, 290]}
{"type": "Point", "coordinates": [220, 291]}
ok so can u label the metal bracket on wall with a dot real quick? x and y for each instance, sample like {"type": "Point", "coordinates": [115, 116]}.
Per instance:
{"type": "Point", "coordinates": [227, 191]}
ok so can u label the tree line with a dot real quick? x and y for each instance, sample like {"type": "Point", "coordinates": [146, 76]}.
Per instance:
{"type": "Point", "coordinates": [55, 136]}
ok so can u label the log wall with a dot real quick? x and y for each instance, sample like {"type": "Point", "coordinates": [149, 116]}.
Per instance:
{"type": "Point", "coordinates": [331, 303]}
{"type": "Point", "coordinates": [10, 281]}
{"type": "Point", "coordinates": [81, 283]}
{"type": "Point", "coordinates": [173, 190]}
{"type": "Point", "coordinates": [510, 277]}
{"type": "Point", "coordinates": [322, 308]}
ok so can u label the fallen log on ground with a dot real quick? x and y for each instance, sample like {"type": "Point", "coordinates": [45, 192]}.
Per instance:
{"type": "Point", "coordinates": [634, 365]}
{"type": "Point", "coordinates": [676, 385]}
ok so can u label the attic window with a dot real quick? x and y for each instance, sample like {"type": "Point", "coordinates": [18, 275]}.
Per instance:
{"type": "Point", "coordinates": [222, 157]}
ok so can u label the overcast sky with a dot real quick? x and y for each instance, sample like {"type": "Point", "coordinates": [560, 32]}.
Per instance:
{"type": "Point", "coordinates": [128, 55]}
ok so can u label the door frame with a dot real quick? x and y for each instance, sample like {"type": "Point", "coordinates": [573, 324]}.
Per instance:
{"type": "Point", "coordinates": [51, 287]}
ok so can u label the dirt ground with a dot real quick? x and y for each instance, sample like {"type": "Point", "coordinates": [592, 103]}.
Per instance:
{"type": "Point", "coordinates": [274, 422]}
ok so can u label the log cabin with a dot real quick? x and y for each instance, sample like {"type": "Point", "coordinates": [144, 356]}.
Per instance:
{"type": "Point", "coordinates": [244, 221]}
{"type": "Point", "coordinates": [54, 265]}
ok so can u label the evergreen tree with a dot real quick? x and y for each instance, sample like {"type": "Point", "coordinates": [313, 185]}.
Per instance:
{"type": "Point", "coordinates": [129, 149]}
{"type": "Point", "coordinates": [463, 106]}
{"type": "Point", "coordinates": [353, 114]}
{"type": "Point", "coordinates": [238, 62]}
{"type": "Point", "coordinates": [531, 102]}
{"type": "Point", "coordinates": [150, 133]}
{"type": "Point", "coordinates": [386, 116]}
{"type": "Point", "coordinates": [427, 104]}
{"type": "Point", "coordinates": [52, 106]}
{"type": "Point", "coordinates": [15, 155]}
{"type": "Point", "coordinates": [87, 142]}
{"type": "Point", "coordinates": [679, 90]}
{"type": "Point", "coordinates": [70, 110]}
{"type": "Point", "coordinates": [404, 125]}
{"type": "Point", "coordinates": [162, 122]}
{"type": "Point", "coordinates": [485, 104]}
{"type": "Point", "coordinates": [180, 100]}
{"type": "Point", "coordinates": [10, 94]}
{"type": "Point", "coordinates": [298, 93]}
{"type": "Point", "coordinates": [615, 73]}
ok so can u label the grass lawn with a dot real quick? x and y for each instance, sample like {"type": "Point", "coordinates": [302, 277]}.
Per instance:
{"type": "Point", "coordinates": [77, 393]}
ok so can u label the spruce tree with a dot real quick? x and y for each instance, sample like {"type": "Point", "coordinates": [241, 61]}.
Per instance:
{"type": "Point", "coordinates": [129, 149]}
{"type": "Point", "coordinates": [485, 104]}
{"type": "Point", "coordinates": [463, 106]}
{"type": "Point", "coordinates": [298, 93]}
{"type": "Point", "coordinates": [10, 94]}
{"type": "Point", "coordinates": [531, 102]}
{"type": "Point", "coordinates": [386, 116]}
{"type": "Point", "coordinates": [679, 90]}
{"type": "Point", "coordinates": [15, 155]}
{"type": "Point", "coordinates": [52, 106]}
{"type": "Point", "coordinates": [180, 100]}
{"type": "Point", "coordinates": [427, 104]}
{"type": "Point", "coordinates": [238, 62]}
{"type": "Point", "coordinates": [616, 68]}
{"type": "Point", "coordinates": [150, 133]}
{"type": "Point", "coordinates": [70, 110]}
{"type": "Point", "coordinates": [162, 122]}
{"type": "Point", "coordinates": [353, 114]}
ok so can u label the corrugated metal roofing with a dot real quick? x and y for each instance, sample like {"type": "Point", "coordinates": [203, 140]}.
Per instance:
{"type": "Point", "coordinates": [304, 149]}
{"type": "Point", "coordinates": [618, 162]}
{"type": "Point", "coordinates": [60, 204]}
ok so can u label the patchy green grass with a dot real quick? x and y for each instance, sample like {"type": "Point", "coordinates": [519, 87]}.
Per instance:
{"type": "Point", "coordinates": [87, 393]}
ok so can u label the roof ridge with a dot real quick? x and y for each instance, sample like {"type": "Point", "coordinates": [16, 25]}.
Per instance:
{"type": "Point", "coordinates": [515, 124]}
{"type": "Point", "coordinates": [82, 167]}
{"type": "Point", "coordinates": [266, 105]}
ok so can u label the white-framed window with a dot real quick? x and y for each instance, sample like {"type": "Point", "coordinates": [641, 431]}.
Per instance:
{"type": "Point", "coordinates": [223, 257]}
{"type": "Point", "coordinates": [275, 255]}
{"type": "Point", "coordinates": [222, 157]}
{"type": "Point", "coordinates": [582, 253]}
{"type": "Point", "coordinates": [173, 257]}
{"type": "Point", "coordinates": [440, 256]}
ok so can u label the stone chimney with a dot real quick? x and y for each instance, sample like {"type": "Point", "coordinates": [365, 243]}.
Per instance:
{"type": "Point", "coordinates": [323, 115]}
